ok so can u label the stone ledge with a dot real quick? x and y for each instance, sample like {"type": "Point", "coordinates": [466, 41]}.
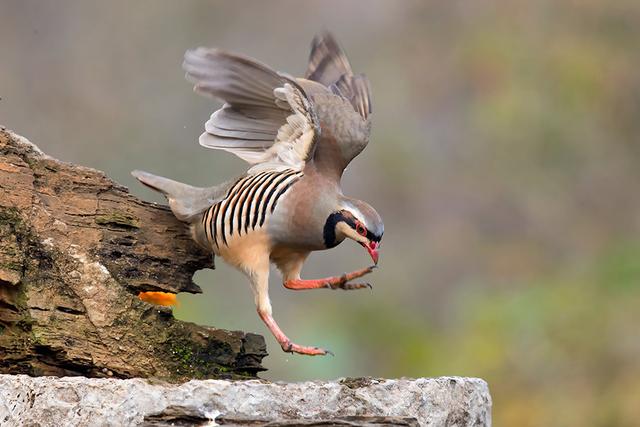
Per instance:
{"type": "Point", "coordinates": [79, 401]}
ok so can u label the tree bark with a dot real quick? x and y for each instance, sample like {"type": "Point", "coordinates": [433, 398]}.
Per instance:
{"type": "Point", "coordinates": [75, 251]}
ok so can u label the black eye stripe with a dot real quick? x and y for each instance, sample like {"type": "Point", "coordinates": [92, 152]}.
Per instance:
{"type": "Point", "coordinates": [373, 237]}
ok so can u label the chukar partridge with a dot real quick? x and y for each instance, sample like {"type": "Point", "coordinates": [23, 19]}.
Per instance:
{"type": "Point", "coordinates": [298, 135]}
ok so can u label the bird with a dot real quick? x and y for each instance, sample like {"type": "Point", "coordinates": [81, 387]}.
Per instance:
{"type": "Point", "coordinates": [298, 136]}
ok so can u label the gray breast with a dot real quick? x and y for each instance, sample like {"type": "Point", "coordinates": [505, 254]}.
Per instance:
{"type": "Point", "coordinates": [299, 218]}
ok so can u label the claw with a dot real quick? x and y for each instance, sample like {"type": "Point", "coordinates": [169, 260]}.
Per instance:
{"type": "Point", "coordinates": [352, 286]}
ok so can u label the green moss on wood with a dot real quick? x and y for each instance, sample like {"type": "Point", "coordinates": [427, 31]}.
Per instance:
{"type": "Point", "coordinates": [193, 361]}
{"type": "Point", "coordinates": [10, 217]}
{"type": "Point", "coordinates": [11, 265]}
{"type": "Point", "coordinates": [190, 358]}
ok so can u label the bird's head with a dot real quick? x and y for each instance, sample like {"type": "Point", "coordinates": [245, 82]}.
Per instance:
{"type": "Point", "coordinates": [356, 220]}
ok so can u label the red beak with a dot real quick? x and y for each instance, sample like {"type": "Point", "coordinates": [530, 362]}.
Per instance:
{"type": "Point", "coordinates": [372, 248]}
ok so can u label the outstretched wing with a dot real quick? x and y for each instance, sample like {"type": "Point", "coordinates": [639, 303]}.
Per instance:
{"type": "Point", "coordinates": [267, 119]}
{"type": "Point", "coordinates": [343, 104]}
{"type": "Point", "coordinates": [328, 65]}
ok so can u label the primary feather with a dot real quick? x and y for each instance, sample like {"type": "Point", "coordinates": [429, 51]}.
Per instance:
{"type": "Point", "coordinates": [328, 64]}
{"type": "Point", "coordinates": [327, 61]}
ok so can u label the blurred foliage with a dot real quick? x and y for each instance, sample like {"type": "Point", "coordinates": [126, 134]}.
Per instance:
{"type": "Point", "coordinates": [505, 160]}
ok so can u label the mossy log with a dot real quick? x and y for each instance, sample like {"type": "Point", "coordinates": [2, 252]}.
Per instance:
{"type": "Point", "coordinates": [76, 249]}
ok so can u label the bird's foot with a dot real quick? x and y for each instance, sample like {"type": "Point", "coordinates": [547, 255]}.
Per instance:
{"type": "Point", "coordinates": [285, 342]}
{"type": "Point", "coordinates": [338, 282]}
{"type": "Point", "coordinates": [290, 347]}
{"type": "Point", "coordinates": [342, 282]}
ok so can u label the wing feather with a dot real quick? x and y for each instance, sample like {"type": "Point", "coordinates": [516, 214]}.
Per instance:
{"type": "Point", "coordinates": [236, 79]}
{"type": "Point", "coordinates": [267, 118]}
{"type": "Point", "coordinates": [327, 60]}
{"type": "Point", "coordinates": [296, 139]}
{"type": "Point", "coordinates": [357, 90]}
{"type": "Point", "coordinates": [328, 64]}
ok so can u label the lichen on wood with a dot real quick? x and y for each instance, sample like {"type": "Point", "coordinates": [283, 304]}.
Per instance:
{"type": "Point", "coordinates": [75, 250]}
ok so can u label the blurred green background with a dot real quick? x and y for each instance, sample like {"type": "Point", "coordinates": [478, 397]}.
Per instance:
{"type": "Point", "coordinates": [505, 160]}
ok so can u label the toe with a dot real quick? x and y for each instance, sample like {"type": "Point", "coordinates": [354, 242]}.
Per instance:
{"type": "Point", "coordinates": [353, 286]}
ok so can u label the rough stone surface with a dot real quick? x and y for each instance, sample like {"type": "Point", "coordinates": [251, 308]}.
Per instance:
{"type": "Point", "coordinates": [75, 250]}
{"type": "Point", "coordinates": [48, 401]}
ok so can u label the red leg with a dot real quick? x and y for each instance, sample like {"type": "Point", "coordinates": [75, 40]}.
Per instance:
{"type": "Point", "coordinates": [285, 342]}
{"type": "Point", "coordinates": [334, 282]}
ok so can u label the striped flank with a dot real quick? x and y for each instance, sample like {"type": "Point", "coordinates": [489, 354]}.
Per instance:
{"type": "Point", "coordinates": [247, 205]}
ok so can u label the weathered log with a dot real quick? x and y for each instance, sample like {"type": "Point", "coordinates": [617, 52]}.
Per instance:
{"type": "Point", "coordinates": [75, 251]}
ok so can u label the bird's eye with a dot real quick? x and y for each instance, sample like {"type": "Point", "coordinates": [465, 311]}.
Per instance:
{"type": "Point", "coordinates": [361, 230]}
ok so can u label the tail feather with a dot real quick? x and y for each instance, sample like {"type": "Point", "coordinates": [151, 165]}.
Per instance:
{"type": "Point", "coordinates": [185, 201]}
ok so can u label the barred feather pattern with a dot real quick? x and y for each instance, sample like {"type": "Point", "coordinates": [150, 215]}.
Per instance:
{"type": "Point", "coordinates": [247, 205]}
